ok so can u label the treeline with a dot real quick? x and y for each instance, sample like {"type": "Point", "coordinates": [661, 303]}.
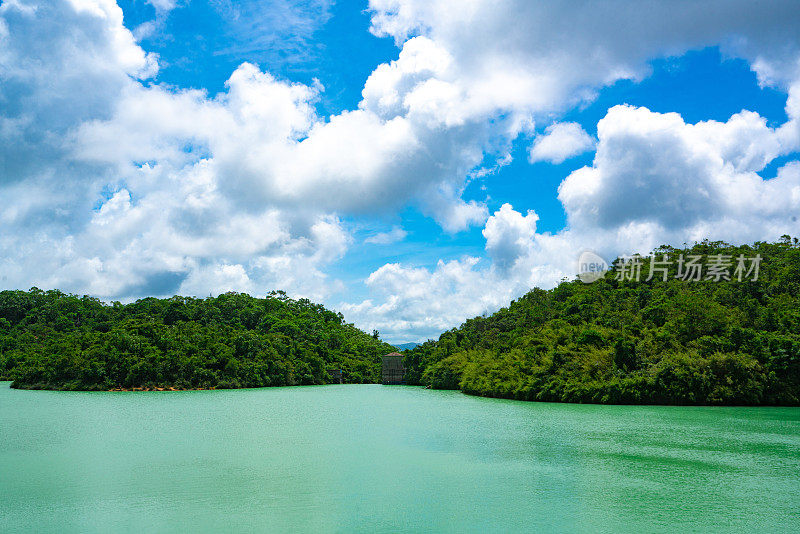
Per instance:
{"type": "Point", "coordinates": [648, 342]}
{"type": "Point", "coordinates": [52, 340]}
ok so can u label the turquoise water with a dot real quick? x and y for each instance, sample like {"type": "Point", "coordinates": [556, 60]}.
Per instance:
{"type": "Point", "coordinates": [388, 458]}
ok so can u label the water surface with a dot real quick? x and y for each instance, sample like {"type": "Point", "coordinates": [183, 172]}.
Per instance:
{"type": "Point", "coordinates": [376, 458]}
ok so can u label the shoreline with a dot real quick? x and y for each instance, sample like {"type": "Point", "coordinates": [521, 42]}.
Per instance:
{"type": "Point", "coordinates": [37, 387]}
{"type": "Point", "coordinates": [468, 394]}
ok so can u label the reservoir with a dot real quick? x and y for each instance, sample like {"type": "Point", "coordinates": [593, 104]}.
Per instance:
{"type": "Point", "coordinates": [372, 458]}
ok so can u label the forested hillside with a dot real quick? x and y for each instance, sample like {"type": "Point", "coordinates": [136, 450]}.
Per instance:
{"type": "Point", "coordinates": [666, 340]}
{"type": "Point", "coordinates": [623, 341]}
{"type": "Point", "coordinates": [52, 340]}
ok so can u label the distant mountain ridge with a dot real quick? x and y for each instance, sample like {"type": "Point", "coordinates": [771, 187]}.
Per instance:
{"type": "Point", "coordinates": [407, 346]}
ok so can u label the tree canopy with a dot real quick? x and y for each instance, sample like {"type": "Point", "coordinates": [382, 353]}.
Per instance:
{"type": "Point", "coordinates": [53, 340]}
{"type": "Point", "coordinates": [622, 341]}
{"type": "Point", "coordinates": [662, 340]}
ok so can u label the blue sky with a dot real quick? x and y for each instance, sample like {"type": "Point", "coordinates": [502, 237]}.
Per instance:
{"type": "Point", "coordinates": [407, 168]}
{"type": "Point", "coordinates": [200, 45]}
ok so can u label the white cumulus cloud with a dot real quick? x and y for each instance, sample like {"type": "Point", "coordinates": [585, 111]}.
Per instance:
{"type": "Point", "coordinates": [560, 141]}
{"type": "Point", "coordinates": [394, 235]}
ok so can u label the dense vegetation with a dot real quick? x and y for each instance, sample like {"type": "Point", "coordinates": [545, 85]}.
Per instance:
{"type": "Point", "coordinates": [52, 340]}
{"type": "Point", "coordinates": [621, 341]}
{"type": "Point", "coordinates": [612, 341]}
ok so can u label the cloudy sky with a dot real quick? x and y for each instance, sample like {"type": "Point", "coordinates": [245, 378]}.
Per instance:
{"type": "Point", "coordinates": [410, 163]}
